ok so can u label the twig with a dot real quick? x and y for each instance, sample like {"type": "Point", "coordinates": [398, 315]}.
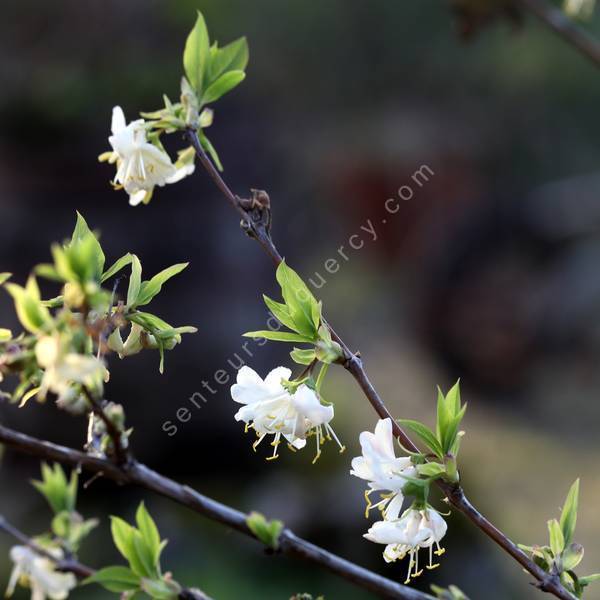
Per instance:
{"type": "Point", "coordinates": [116, 435]}
{"type": "Point", "coordinates": [137, 474]}
{"type": "Point", "coordinates": [558, 22]}
{"type": "Point", "coordinates": [253, 222]}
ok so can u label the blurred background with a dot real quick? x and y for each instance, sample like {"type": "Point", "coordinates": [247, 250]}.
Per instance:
{"type": "Point", "coordinates": [489, 273]}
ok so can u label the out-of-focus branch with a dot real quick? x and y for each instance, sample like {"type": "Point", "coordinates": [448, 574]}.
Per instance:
{"type": "Point", "coordinates": [256, 221]}
{"type": "Point", "coordinates": [137, 474]}
{"type": "Point", "coordinates": [556, 20]}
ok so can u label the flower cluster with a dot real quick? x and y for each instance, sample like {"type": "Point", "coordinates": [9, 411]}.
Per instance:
{"type": "Point", "coordinates": [418, 527]}
{"type": "Point", "coordinates": [62, 350]}
{"type": "Point", "coordinates": [274, 407]}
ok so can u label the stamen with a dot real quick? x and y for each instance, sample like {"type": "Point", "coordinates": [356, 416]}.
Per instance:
{"type": "Point", "coordinates": [330, 430]}
{"type": "Point", "coordinates": [316, 458]}
{"type": "Point", "coordinates": [258, 441]}
{"type": "Point", "coordinates": [369, 505]}
{"type": "Point", "coordinates": [417, 572]}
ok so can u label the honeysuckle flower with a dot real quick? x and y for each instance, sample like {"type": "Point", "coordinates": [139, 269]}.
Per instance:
{"type": "Point", "coordinates": [62, 368]}
{"type": "Point", "coordinates": [382, 469]}
{"type": "Point", "coordinates": [140, 165]}
{"type": "Point", "coordinates": [416, 529]}
{"type": "Point", "coordinates": [270, 409]}
{"type": "Point", "coordinates": [40, 574]}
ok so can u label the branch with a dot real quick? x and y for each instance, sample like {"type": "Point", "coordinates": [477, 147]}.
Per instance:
{"type": "Point", "coordinates": [256, 222]}
{"type": "Point", "coordinates": [138, 474]}
{"type": "Point", "coordinates": [564, 27]}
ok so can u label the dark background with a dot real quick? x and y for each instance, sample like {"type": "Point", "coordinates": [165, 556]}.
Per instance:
{"type": "Point", "coordinates": [490, 273]}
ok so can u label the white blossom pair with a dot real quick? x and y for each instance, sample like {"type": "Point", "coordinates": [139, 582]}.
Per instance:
{"type": "Point", "coordinates": [270, 409]}
{"type": "Point", "coordinates": [141, 165]}
{"type": "Point", "coordinates": [40, 574]}
{"type": "Point", "coordinates": [419, 526]}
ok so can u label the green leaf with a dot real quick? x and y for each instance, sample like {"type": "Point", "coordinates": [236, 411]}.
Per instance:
{"type": "Point", "coordinates": [120, 264]}
{"type": "Point", "coordinates": [115, 579]}
{"type": "Point", "coordinates": [197, 54]}
{"type": "Point", "coordinates": [48, 271]}
{"type": "Point", "coordinates": [572, 556]}
{"type": "Point", "coordinates": [568, 517]}
{"type": "Point", "coordinates": [160, 589]}
{"type": "Point", "coordinates": [123, 535]}
{"type": "Point", "coordinates": [302, 357]}
{"type": "Point", "coordinates": [60, 493]}
{"type": "Point", "coordinates": [431, 469]}
{"type": "Point", "coordinates": [206, 144]}
{"type": "Point", "coordinates": [144, 554]}
{"type": "Point", "coordinates": [32, 314]}
{"type": "Point", "coordinates": [83, 234]}
{"type": "Point", "coordinates": [222, 85]}
{"type": "Point", "coordinates": [151, 288]}
{"type": "Point", "coordinates": [302, 305]}
{"type": "Point", "coordinates": [5, 335]}
{"type": "Point", "coordinates": [425, 434]}
{"type": "Point", "coordinates": [583, 581]}
{"type": "Point", "coordinates": [149, 532]}
{"type": "Point", "coordinates": [280, 312]}
{"type": "Point", "coordinates": [557, 540]}
{"type": "Point", "coordinates": [232, 57]}
{"type": "Point", "coordinates": [4, 277]}
{"type": "Point", "coordinates": [278, 336]}
{"type": "Point", "coordinates": [55, 302]}
{"type": "Point", "coordinates": [135, 281]}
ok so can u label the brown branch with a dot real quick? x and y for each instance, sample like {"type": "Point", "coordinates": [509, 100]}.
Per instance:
{"type": "Point", "coordinates": [564, 27]}
{"type": "Point", "coordinates": [253, 222]}
{"type": "Point", "coordinates": [137, 474]}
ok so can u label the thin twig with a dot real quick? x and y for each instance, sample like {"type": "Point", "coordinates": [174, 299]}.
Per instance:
{"type": "Point", "coordinates": [121, 455]}
{"type": "Point", "coordinates": [137, 474]}
{"type": "Point", "coordinates": [253, 223]}
{"type": "Point", "coordinates": [557, 21]}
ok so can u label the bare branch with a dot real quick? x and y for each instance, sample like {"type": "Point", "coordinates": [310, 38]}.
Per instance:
{"type": "Point", "coordinates": [137, 474]}
{"type": "Point", "coordinates": [253, 222]}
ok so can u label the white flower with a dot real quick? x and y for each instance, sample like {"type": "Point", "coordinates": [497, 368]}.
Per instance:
{"type": "Point", "coordinates": [39, 573]}
{"type": "Point", "coordinates": [382, 469]}
{"type": "Point", "coordinates": [416, 529]}
{"type": "Point", "coordinates": [271, 410]}
{"type": "Point", "coordinates": [140, 165]}
{"type": "Point", "coordinates": [62, 369]}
